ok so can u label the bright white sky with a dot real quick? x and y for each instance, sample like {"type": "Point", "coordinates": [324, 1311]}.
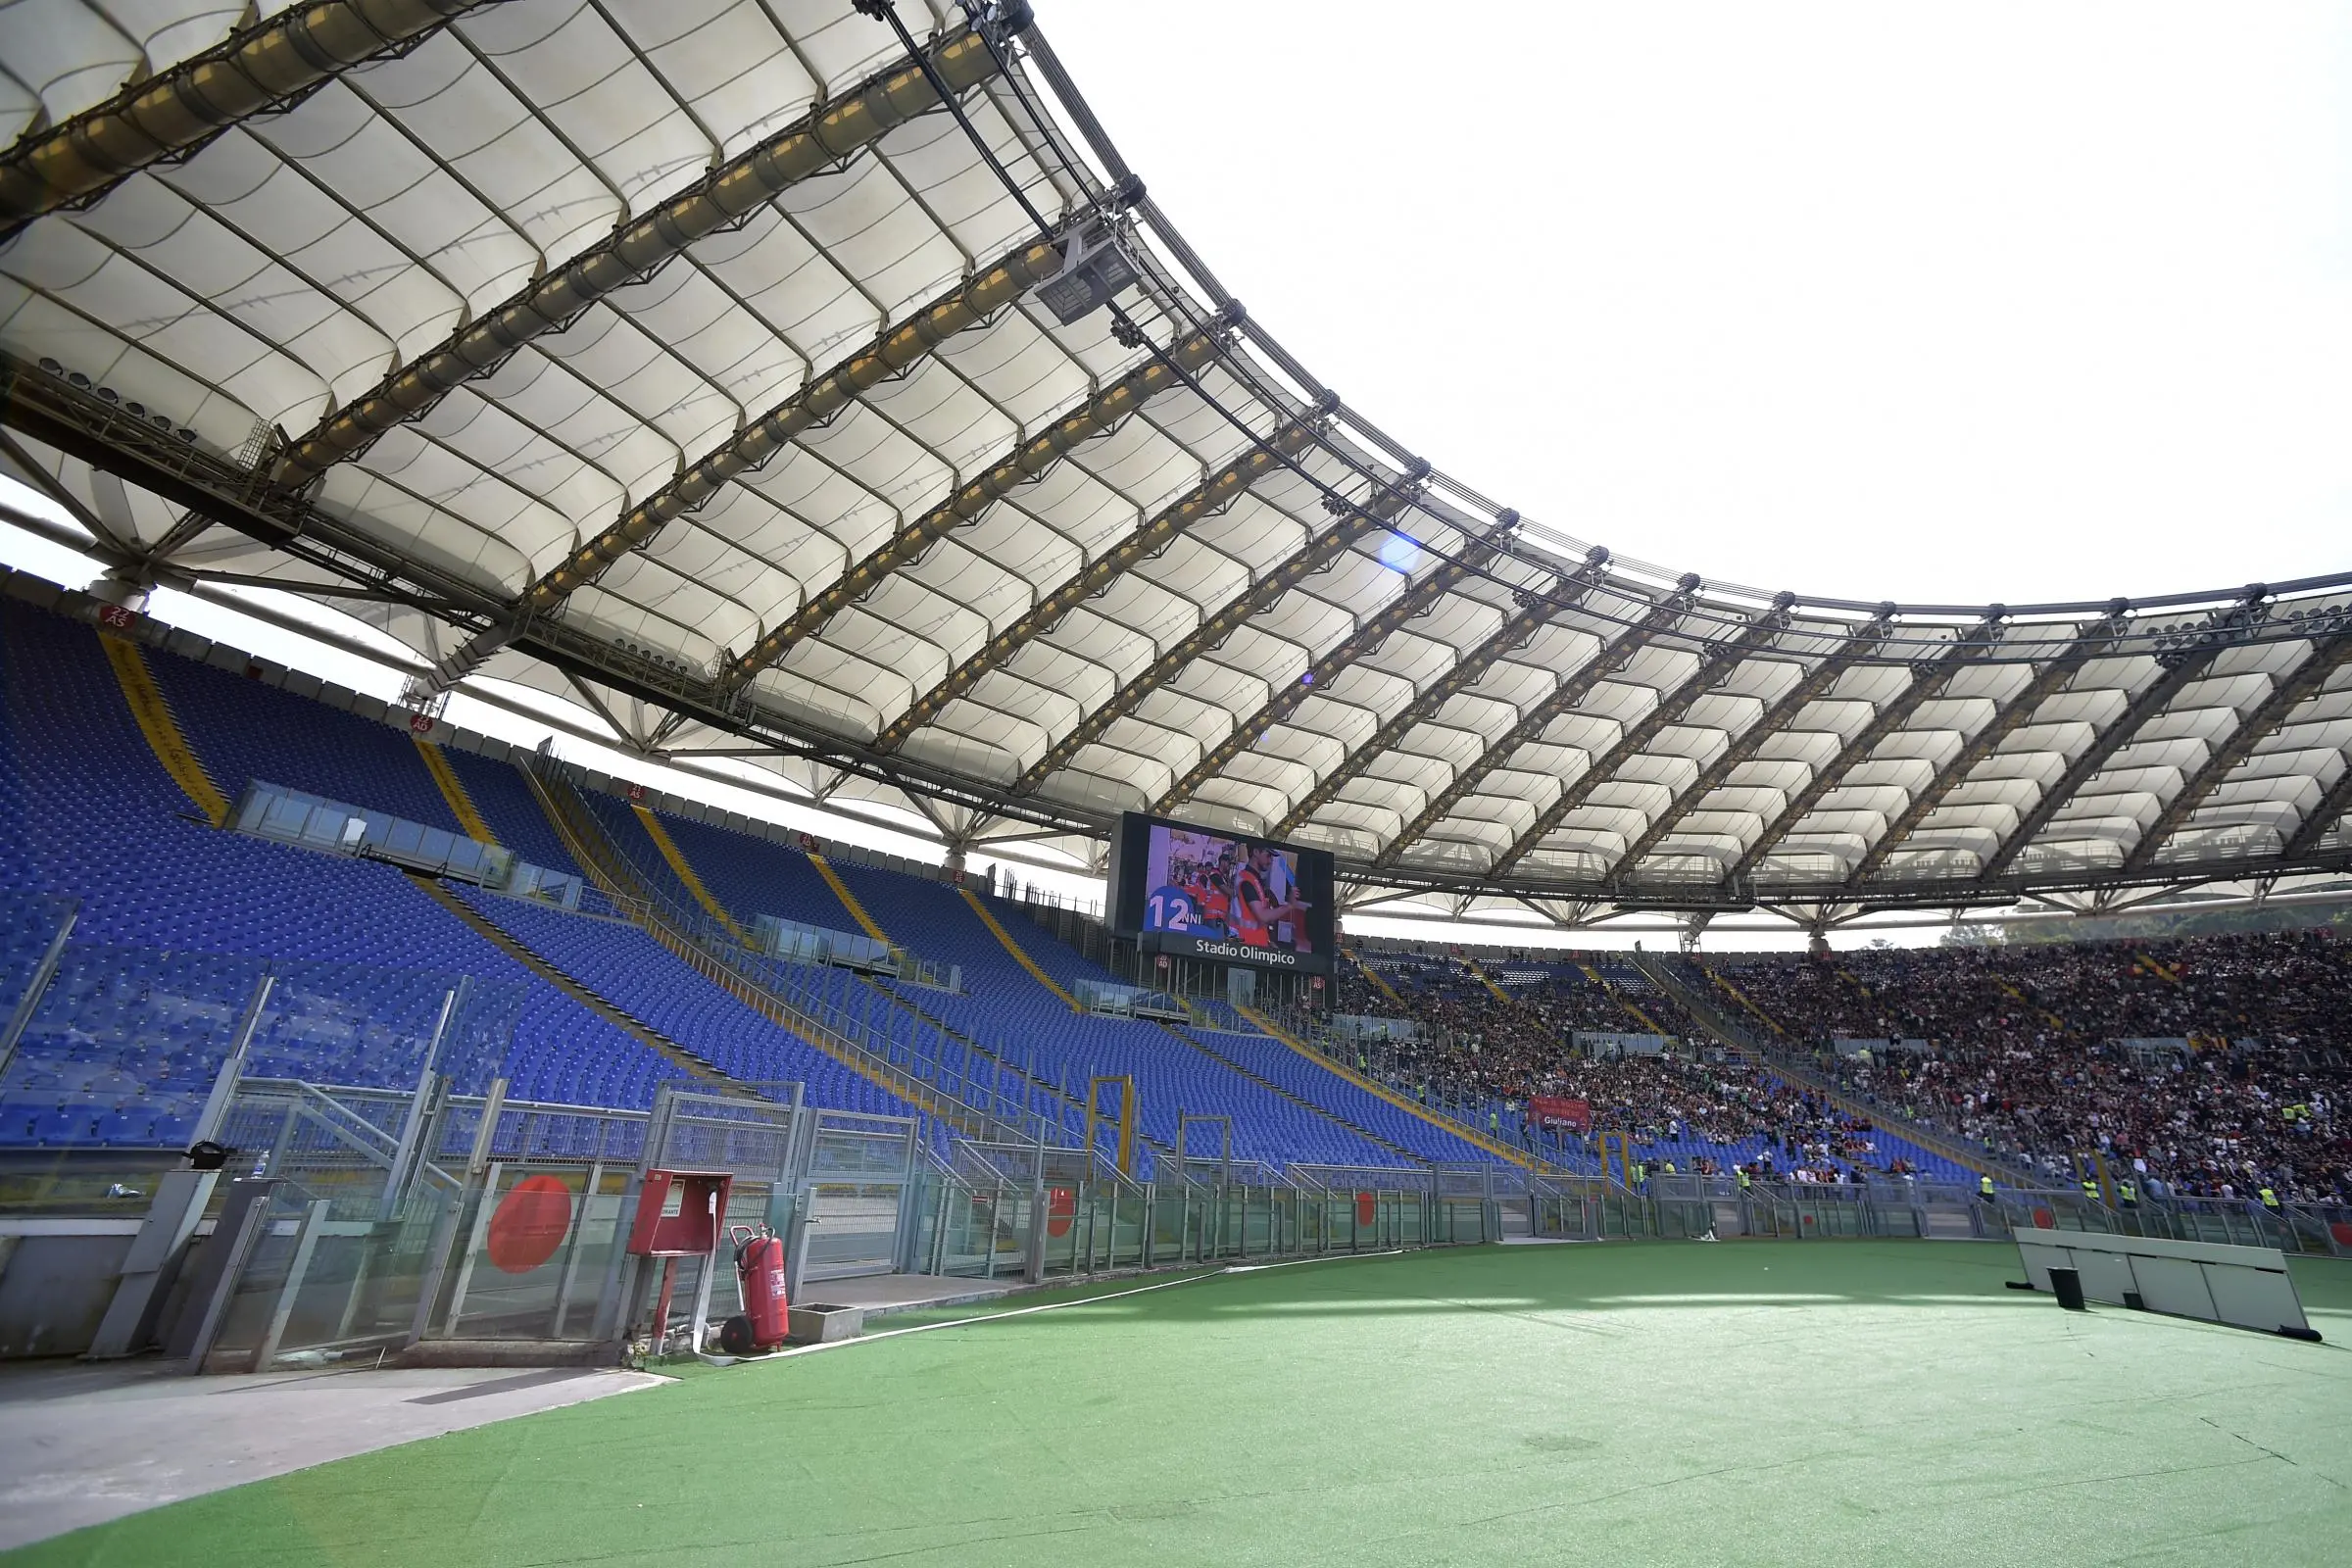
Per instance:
{"type": "Point", "coordinates": [1944, 303]}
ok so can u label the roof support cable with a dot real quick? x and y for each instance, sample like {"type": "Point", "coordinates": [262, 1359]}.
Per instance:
{"type": "Point", "coordinates": [1565, 697]}
{"type": "Point", "coordinates": [1287, 698]}
{"type": "Point", "coordinates": [2182, 665]}
{"type": "Point", "coordinates": [895, 351]}
{"type": "Point", "coordinates": [2099, 637]}
{"type": "Point", "coordinates": [2330, 651]}
{"type": "Point", "coordinates": [1356, 522]}
{"type": "Point", "coordinates": [639, 247]}
{"type": "Point", "coordinates": [1774, 720]}
{"type": "Point", "coordinates": [1204, 501]}
{"type": "Point", "coordinates": [1528, 615]}
{"type": "Point", "coordinates": [1670, 708]}
{"type": "Point", "coordinates": [1929, 679]}
{"type": "Point", "coordinates": [1100, 416]}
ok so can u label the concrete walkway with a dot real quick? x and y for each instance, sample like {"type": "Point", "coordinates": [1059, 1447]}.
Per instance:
{"type": "Point", "coordinates": [81, 1443]}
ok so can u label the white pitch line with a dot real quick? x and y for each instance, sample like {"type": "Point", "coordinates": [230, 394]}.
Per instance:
{"type": "Point", "coordinates": [1055, 1306]}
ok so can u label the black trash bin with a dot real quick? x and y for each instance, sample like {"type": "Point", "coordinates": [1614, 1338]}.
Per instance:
{"type": "Point", "coordinates": [2065, 1283]}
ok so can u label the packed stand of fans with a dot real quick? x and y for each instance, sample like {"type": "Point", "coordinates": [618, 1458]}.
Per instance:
{"type": "Point", "coordinates": [2210, 1066]}
{"type": "Point", "coordinates": [1487, 1058]}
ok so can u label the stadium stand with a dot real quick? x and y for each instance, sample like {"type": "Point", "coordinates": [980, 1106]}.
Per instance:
{"type": "Point", "coordinates": [99, 822]}
{"type": "Point", "coordinates": [2215, 1065]}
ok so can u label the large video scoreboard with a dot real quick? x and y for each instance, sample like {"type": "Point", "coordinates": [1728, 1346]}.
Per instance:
{"type": "Point", "coordinates": [1182, 889]}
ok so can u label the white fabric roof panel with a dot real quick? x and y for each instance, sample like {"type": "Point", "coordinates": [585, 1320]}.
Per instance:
{"type": "Point", "coordinates": [293, 263]}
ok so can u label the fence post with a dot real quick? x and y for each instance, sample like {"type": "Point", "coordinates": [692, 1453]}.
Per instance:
{"type": "Point", "coordinates": [215, 1114]}
{"type": "Point", "coordinates": [35, 985]}
{"type": "Point", "coordinates": [413, 1125]}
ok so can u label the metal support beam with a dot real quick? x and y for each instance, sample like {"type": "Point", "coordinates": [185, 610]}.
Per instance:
{"type": "Point", "coordinates": [1517, 630]}
{"type": "Point", "coordinates": [1564, 698]}
{"type": "Point", "coordinates": [2094, 639]}
{"type": "Point", "coordinates": [1315, 554]}
{"type": "Point", "coordinates": [1418, 598]}
{"type": "Point", "coordinates": [1206, 499]}
{"type": "Point", "coordinates": [1774, 720]}
{"type": "Point", "coordinates": [895, 350]}
{"type": "Point", "coordinates": [639, 247]}
{"type": "Point", "coordinates": [2181, 666]}
{"type": "Point", "coordinates": [1034, 459]}
{"type": "Point", "coordinates": [1928, 678]}
{"type": "Point", "coordinates": [2327, 656]}
{"type": "Point", "coordinates": [1670, 708]}
{"type": "Point", "coordinates": [2330, 810]}
{"type": "Point", "coordinates": [266, 65]}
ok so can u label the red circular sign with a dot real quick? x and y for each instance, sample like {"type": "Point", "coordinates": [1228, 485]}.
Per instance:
{"type": "Point", "coordinates": [531, 1222]}
{"type": "Point", "coordinates": [2341, 1232]}
{"type": "Point", "coordinates": [2044, 1220]}
{"type": "Point", "coordinates": [1060, 1203]}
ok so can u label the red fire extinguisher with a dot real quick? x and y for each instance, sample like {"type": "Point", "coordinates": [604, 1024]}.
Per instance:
{"type": "Point", "coordinates": [765, 1322]}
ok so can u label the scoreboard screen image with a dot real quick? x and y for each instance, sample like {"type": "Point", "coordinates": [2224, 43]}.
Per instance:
{"type": "Point", "coordinates": [1178, 888]}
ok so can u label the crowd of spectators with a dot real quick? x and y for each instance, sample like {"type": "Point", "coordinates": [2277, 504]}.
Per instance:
{"type": "Point", "coordinates": [2214, 1067]}
{"type": "Point", "coordinates": [1494, 1053]}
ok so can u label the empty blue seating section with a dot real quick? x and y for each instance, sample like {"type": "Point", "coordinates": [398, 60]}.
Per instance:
{"type": "Point", "coordinates": [1269, 1059]}
{"type": "Point", "coordinates": [504, 799]}
{"type": "Point", "coordinates": [245, 729]}
{"type": "Point", "coordinates": [754, 876]}
{"type": "Point", "coordinates": [100, 822]}
{"type": "Point", "coordinates": [29, 925]}
{"type": "Point", "coordinates": [1006, 1010]}
{"type": "Point", "coordinates": [646, 980]}
{"type": "Point", "coordinates": [127, 1042]}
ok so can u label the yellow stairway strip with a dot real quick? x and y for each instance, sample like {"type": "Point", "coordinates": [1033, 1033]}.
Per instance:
{"type": "Point", "coordinates": [685, 873]}
{"type": "Point", "coordinates": [2173, 975]}
{"type": "Point", "coordinates": [1622, 1000]}
{"type": "Point", "coordinates": [1379, 981]}
{"type": "Point", "coordinates": [848, 901]}
{"type": "Point", "coordinates": [1741, 996]}
{"type": "Point", "coordinates": [453, 791]}
{"type": "Point", "coordinates": [1014, 947]}
{"type": "Point", "coordinates": [154, 715]}
{"type": "Point", "coordinates": [1478, 971]}
{"type": "Point", "coordinates": [1460, 1130]}
{"type": "Point", "coordinates": [2048, 1016]}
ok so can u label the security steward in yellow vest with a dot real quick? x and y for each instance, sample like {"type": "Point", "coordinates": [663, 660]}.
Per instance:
{"type": "Point", "coordinates": [1984, 1188]}
{"type": "Point", "coordinates": [2270, 1200]}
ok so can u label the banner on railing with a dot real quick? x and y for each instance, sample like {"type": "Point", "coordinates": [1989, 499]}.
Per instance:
{"type": "Point", "coordinates": [1552, 1111]}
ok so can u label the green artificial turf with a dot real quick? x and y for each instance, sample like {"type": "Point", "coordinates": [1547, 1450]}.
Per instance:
{"type": "Point", "coordinates": [1742, 1404]}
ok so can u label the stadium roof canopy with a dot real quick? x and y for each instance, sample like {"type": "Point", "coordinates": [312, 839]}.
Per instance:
{"type": "Point", "coordinates": [744, 369]}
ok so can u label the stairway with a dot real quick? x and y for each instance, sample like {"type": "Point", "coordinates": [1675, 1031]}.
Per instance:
{"type": "Point", "coordinates": [1160, 1149]}
{"type": "Point", "coordinates": [453, 791]}
{"type": "Point", "coordinates": [1756, 1054]}
{"type": "Point", "coordinates": [685, 873]}
{"type": "Point", "coordinates": [521, 953]}
{"type": "Point", "coordinates": [1443, 1123]}
{"type": "Point", "coordinates": [613, 872]}
{"type": "Point", "coordinates": [1622, 1000]}
{"type": "Point", "coordinates": [156, 721]}
{"type": "Point", "coordinates": [1019, 954]}
{"type": "Point", "coordinates": [1324, 1112]}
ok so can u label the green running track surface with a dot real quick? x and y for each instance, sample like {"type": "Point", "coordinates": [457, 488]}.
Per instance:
{"type": "Point", "coordinates": [1742, 1404]}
